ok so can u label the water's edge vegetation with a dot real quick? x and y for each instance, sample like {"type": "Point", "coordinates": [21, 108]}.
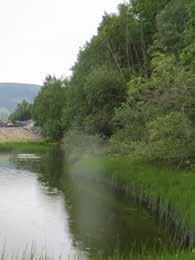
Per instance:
{"type": "Point", "coordinates": [150, 186]}
{"type": "Point", "coordinates": [34, 145]}
{"type": "Point", "coordinates": [167, 191]}
{"type": "Point", "coordinates": [158, 188]}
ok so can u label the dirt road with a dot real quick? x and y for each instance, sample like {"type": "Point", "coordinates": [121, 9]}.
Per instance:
{"type": "Point", "coordinates": [17, 134]}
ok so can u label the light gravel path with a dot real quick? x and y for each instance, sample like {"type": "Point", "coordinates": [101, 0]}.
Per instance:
{"type": "Point", "coordinates": [17, 134]}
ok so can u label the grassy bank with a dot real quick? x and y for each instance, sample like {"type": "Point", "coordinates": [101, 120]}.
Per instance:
{"type": "Point", "coordinates": [163, 256]}
{"type": "Point", "coordinates": [27, 145]}
{"type": "Point", "coordinates": [167, 192]}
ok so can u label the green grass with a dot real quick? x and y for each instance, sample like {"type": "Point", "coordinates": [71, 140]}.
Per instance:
{"type": "Point", "coordinates": [168, 192]}
{"type": "Point", "coordinates": [33, 146]}
{"type": "Point", "coordinates": [163, 256]}
{"type": "Point", "coordinates": [32, 254]}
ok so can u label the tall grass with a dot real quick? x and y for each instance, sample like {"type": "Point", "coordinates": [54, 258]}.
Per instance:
{"type": "Point", "coordinates": [167, 192]}
{"type": "Point", "coordinates": [163, 256]}
{"type": "Point", "coordinates": [32, 254]}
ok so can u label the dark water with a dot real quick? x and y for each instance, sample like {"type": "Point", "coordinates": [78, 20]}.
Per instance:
{"type": "Point", "coordinates": [84, 219]}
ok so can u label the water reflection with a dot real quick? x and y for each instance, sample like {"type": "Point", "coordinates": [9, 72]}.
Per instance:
{"type": "Point", "coordinates": [31, 214]}
{"type": "Point", "coordinates": [40, 201]}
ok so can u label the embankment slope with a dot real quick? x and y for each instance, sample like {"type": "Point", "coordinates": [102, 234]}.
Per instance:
{"type": "Point", "coordinates": [17, 134]}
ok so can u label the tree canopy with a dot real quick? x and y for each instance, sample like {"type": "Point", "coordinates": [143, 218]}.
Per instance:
{"type": "Point", "coordinates": [23, 112]}
{"type": "Point", "coordinates": [133, 82]}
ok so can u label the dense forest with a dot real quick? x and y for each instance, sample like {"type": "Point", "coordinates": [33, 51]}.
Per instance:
{"type": "Point", "coordinates": [133, 84]}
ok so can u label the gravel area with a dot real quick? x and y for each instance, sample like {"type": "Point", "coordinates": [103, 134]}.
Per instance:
{"type": "Point", "coordinates": [17, 134]}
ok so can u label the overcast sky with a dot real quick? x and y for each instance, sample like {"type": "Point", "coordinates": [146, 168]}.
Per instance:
{"type": "Point", "coordinates": [38, 37]}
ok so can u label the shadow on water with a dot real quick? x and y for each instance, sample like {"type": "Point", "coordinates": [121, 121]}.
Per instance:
{"type": "Point", "coordinates": [99, 220]}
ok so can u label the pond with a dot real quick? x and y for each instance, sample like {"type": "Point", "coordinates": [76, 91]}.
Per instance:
{"type": "Point", "coordinates": [47, 209]}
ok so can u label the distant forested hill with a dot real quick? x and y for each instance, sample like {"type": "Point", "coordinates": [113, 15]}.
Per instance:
{"type": "Point", "coordinates": [13, 93]}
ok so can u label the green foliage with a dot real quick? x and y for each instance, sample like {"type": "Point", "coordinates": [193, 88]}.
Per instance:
{"type": "Point", "coordinates": [105, 90]}
{"type": "Point", "coordinates": [133, 83]}
{"type": "Point", "coordinates": [113, 54]}
{"type": "Point", "coordinates": [156, 121]}
{"type": "Point", "coordinates": [146, 11]}
{"type": "Point", "coordinates": [172, 23]}
{"type": "Point", "coordinates": [121, 35]}
{"type": "Point", "coordinates": [180, 255]}
{"type": "Point", "coordinates": [169, 138]}
{"type": "Point", "coordinates": [173, 125]}
{"type": "Point", "coordinates": [153, 182]}
{"type": "Point", "coordinates": [48, 108]}
{"type": "Point", "coordinates": [23, 112]}
{"type": "Point", "coordinates": [25, 147]}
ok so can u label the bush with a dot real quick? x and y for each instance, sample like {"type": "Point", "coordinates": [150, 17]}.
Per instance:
{"type": "Point", "coordinates": [169, 138]}
{"type": "Point", "coordinates": [166, 138]}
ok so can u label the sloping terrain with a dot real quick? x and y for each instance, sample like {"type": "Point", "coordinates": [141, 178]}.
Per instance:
{"type": "Point", "coordinates": [17, 134]}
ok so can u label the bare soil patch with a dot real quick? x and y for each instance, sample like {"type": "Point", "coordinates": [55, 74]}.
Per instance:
{"type": "Point", "coordinates": [17, 134]}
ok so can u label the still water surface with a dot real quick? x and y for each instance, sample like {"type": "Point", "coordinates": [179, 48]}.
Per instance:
{"type": "Point", "coordinates": [84, 219]}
